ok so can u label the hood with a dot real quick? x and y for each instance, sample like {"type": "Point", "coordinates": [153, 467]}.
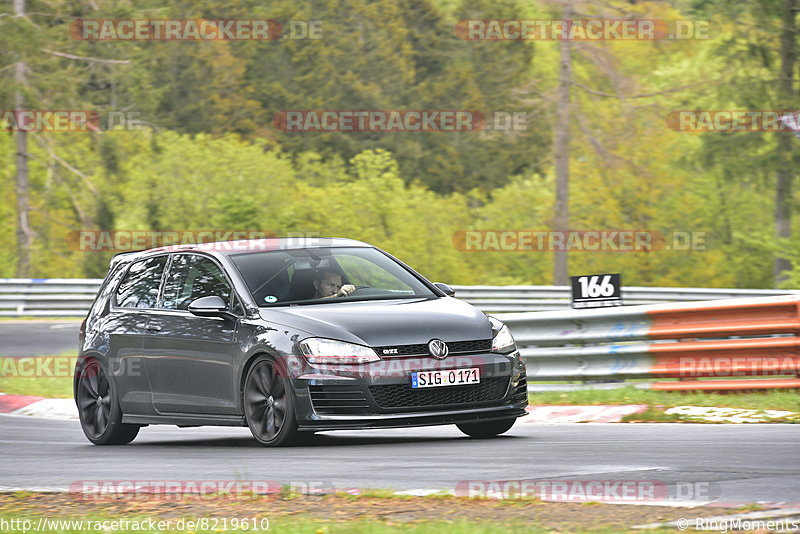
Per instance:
{"type": "Point", "coordinates": [386, 322]}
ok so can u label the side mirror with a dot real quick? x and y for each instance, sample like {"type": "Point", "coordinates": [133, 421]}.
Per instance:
{"type": "Point", "coordinates": [211, 306]}
{"type": "Point", "coordinates": [444, 288]}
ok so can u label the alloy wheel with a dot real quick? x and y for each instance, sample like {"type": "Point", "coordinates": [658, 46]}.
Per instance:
{"type": "Point", "coordinates": [266, 401]}
{"type": "Point", "coordinates": [94, 399]}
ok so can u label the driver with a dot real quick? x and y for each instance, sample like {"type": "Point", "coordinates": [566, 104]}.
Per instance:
{"type": "Point", "coordinates": [328, 284]}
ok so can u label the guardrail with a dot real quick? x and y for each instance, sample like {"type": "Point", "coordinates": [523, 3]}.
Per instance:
{"type": "Point", "coordinates": [732, 344]}
{"type": "Point", "coordinates": [48, 297]}
{"type": "Point", "coordinates": [67, 297]}
{"type": "Point", "coordinates": [726, 341]}
{"type": "Point", "coordinates": [544, 298]}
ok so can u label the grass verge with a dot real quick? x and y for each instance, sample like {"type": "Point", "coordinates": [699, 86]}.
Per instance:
{"type": "Point", "coordinates": [788, 399]}
{"type": "Point", "coordinates": [40, 376]}
{"type": "Point", "coordinates": [657, 414]}
{"type": "Point", "coordinates": [299, 526]}
{"type": "Point", "coordinates": [334, 514]}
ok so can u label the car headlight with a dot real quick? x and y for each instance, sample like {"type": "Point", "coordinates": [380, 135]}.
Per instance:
{"type": "Point", "coordinates": [502, 340]}
{"type": "Point", "coordinates": [318, 351]}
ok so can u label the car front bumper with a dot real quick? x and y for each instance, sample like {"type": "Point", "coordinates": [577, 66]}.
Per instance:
{"type": "Point", "coordinates": [407, 420]}
{"type": "Point", "coordinates": [380, 396]}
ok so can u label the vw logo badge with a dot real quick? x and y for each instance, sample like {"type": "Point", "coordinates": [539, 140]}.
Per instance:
{"type": "Point", "coordinates": [438, 348]}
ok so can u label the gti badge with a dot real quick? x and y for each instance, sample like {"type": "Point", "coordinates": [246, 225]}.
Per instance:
{"type": "Point", "coordinates": [438, 349]}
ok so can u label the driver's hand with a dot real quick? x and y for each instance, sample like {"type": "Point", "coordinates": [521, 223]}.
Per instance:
{"type": "Point", "coordinates": [345, 290]}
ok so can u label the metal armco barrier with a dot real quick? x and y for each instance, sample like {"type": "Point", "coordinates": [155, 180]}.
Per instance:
{"type": "Point", "coordinates": [544, 298]}
{"type": "Point", "coordinates": [48, 297]}
{"type": "Point", "coordinates": [745, 343]}
{"type": "Point", "coordinates": [740, 343]}
{"type": "Point", "coordinates": [65, 297]}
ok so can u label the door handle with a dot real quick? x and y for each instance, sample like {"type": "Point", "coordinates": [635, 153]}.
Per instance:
{"type": "Point", "coordinates": [153, 327]}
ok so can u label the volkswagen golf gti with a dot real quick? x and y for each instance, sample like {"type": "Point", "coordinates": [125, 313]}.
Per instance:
{"type": "Point", "coordinates": [288, 337]}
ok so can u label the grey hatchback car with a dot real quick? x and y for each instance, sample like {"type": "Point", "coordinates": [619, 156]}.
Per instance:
{"type": "Point", "coordinates": [289, 337]}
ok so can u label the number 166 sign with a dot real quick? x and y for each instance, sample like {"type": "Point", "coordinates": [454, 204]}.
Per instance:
{"type": "Point", "coordinates": [596, 291]}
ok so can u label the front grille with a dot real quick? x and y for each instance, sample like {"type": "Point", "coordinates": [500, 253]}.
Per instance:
{"type": "Point", "coordinates": [421, 349]}
{"type": "Point", "coordinates": [403, 396]}
{"type": "Point", "coordinates": [338, 399]}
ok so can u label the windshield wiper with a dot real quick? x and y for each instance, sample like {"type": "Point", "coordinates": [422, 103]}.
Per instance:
{"type": "Point", "coordinates": [341, 300]}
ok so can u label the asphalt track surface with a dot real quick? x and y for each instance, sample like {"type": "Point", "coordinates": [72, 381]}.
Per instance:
{"type": "Point", "coordinates": [728, 463]}
{"type": "Point", "coordinates": [38, 338]}
{"type": "Point", "coordinates": [723, 463]}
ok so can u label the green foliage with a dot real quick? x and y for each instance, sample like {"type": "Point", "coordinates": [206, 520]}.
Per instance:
{"type": "Point", "coordinates": [210, 157]}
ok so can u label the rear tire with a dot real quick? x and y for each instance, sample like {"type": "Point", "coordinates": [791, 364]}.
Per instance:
{"type": "Point", "coordinates": [98, 407]}
{"type": "Point", "coordinates": [269, 404]}
{"type": "Point", "coordinates": [488, 429]}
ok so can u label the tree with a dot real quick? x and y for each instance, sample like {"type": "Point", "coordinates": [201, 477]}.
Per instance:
{"type": "Point", "coordinates": [24, 233]}
{"type": "Point", "coordinates": [561, 152]}
{"type": "Point", "coordinates": [761, 50]}
{"type": "Point", "coordinates": [785, 173]}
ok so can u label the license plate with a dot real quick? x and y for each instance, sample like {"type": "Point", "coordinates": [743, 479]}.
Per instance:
{"type": "Point", "coordinates": [453, 377]}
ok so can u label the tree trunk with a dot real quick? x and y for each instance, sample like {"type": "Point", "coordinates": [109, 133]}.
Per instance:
{"type": "Point", "coordinates": [561, 153]}
{"type": "Point", "coordinates": [24, 234]}
{"type": "Point", "coordinates": [785, 172]}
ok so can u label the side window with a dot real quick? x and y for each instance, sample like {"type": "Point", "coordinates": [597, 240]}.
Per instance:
{"type": "Point", "coordinates": [139, 288]}
{"type": "Point", "coordinates": [191, 277]}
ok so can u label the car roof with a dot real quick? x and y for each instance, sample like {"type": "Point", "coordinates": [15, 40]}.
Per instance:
{"type": "Point", "coordinates": [245, 246]}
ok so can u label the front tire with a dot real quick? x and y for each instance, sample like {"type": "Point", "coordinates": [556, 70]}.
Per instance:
{"type": "Point", "coordinates": [488, 429]}
{"type": "Point", "coordinates": [98, 407]}
{"type": "Point", "coordinates": [269, 405]}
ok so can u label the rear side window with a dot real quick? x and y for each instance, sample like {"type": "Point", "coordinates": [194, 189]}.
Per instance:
{"type": "Point", "coordinates": [139, 288]}
{"type": "Point", "coordinates": [191, 277]}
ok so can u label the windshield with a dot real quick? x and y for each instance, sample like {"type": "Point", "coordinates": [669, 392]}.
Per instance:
{"type": "Point", "coordinates": [322, 275]}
